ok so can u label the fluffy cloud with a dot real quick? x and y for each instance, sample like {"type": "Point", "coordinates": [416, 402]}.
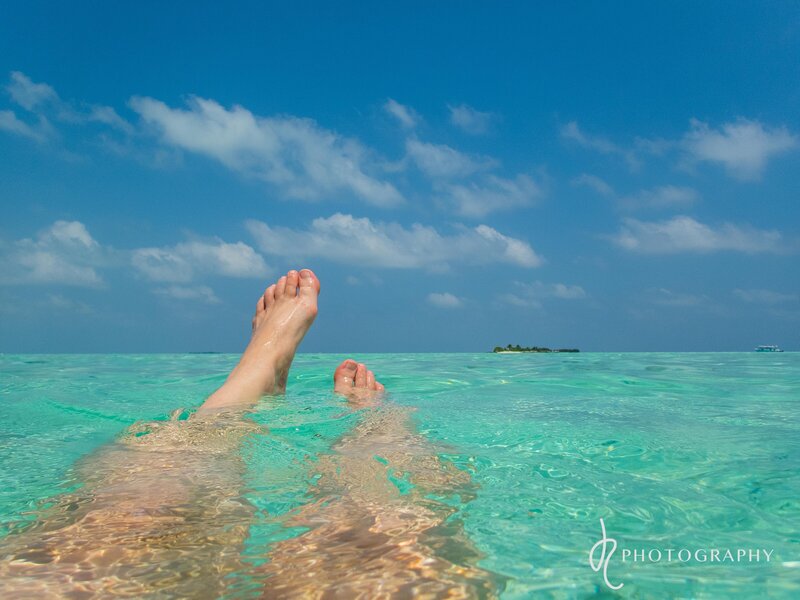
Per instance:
{"type": "Point", "coordinates": [43, 101]}
{"type": "Point", "coordinates": [684, 234]}
{"type": "Point", "coordinates": [444, 300]}
{"type": "Point", "coordinates": [302, 159]}
{"type": "Point", "coordinates": [348, 240]}
{"type": "Point", "coordinates": [471, 120]}
{"type": "Point", "coordinates": [35, 98]}
{"type": "Point", "coordinates": [9, 122]}
{"type": "Point", "coordinates": [532, 295]}
{"type": "Point", "coordinates": [180, 263]}
{"type": "Point", "coordinates": [743, 147]}
{"type": "Point", "coordinates": [769, 297]}
{"type": "Point", "coordinates": [595, 183]}
{"type": "Point", "coordinates": [64, 253]}
{"type": "Point", "coordinates": [406, 115]}
{"type": "Point", "coordinates": [572, 132]}
{"type": "Point", "coordinates": [478, 199]}
{"type": "Point", "coordinates": [108, 116]}
{"type": "Point", "coordinates": [667, 196]}
{"type": "Point", "coordinates": [297, 156]}
{"type": "Point", "coordinates": [439, 160]}
{"type": "Point", "coordinates": [30, 95]}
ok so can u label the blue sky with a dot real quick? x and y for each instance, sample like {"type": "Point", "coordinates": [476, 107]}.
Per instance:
{"type": "Point", "coordinates": [612, 177]}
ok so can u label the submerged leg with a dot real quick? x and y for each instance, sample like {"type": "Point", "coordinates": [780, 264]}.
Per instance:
{"type": "Point", "coordinates": [373, 529]}
{"type": "Point", "coordinates": [160, 510]}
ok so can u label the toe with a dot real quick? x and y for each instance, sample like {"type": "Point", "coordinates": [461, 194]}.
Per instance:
{"type": "Point", "coordinates": [361, 375]}
{"type": "Point", "coordinates": [346, 369]}
{"type": "Point", "coordinates": [269, 296]}
{"type": "Point", "coordinates": [260, 305]}
{"type": "Point", "coordinates": [280, 287]}
{"type": "Point", "coordinates": [379, 386]}
{"type": "Point", "coordinates": [345, 375]}
{"type": "Point", "coordinates": [292, 281]}
{"type": "Point", "coordinates": [370, 380]}
{"type": "Point", "coordinates": [309, 284]}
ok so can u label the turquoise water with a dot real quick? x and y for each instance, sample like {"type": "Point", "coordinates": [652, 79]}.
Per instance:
{"type": "Point", "coordinates": [683, 451]}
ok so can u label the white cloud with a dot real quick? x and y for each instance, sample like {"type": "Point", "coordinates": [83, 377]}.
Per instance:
{"type": "Point", "coordinates": [477, 200]}
{"type": "Point", "coordinates": [64, 253]}
{"type": "Point", "coordinates": [302, 159]}
{"type": "Point", "coordinates": [471, 120]}
{"type": "Point", "coordinates": [30, 95]}
{"type": "Point", "coordinates": [9, 122]}
{"type": "Point", "coordinates": [348, 240]}
{"type": "Point", "coordinates": [756, 296]}
{"type": "Point", "coordinates": [595, 183]}
{"type": "Point", "coordinates": [444, 300]}
{"type": "Point", "coordinates": [406, 115]}
{"type": "Point", "coordinates": [201, 293]}
{"type": "Point", "coordinates": [108, 116]}
{"type": "Point", "coordinates": [43, 101]}
{"type": "Point", "coordinates": [182, 262]}
{"type": "Point", "coordinates": [70, 232]}
{"type": "Point", "coordinates": [684, 234]}
{"type": "Point", "coordinates": [743, 147]}
{"type": "Point", "coordinates": [571, 131]}
{"type": "Point", "coordinates": [439, 160]}
{"type": "Point", "coordinates": [560, 290]}
{"type": "Point", "coordinates": [160, 264]}
{"type": "Point", "coordinates": [667, 196]}
{"type": "Point", "coordinates": [230, 260]}
{"type": "Point", "coordinates": [518, 300]}
{"type": "Point", "coordinates": [532, 295]}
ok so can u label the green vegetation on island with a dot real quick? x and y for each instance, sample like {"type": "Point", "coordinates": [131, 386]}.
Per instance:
{"type": "Point", "coordinates": [518, 348]}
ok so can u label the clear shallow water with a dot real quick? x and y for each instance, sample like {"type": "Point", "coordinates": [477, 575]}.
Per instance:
{"type": "Point", "coordinates": [514, 459]}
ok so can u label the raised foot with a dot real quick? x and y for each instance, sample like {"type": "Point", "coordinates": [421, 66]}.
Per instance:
{"type": "Point", "coordinates": [284, 313]}
{"type": "Point", "coordinates": [357, 383]}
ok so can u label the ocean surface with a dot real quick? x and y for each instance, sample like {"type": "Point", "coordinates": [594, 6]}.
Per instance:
{"type": "Point", "coordinates": [487, 473]}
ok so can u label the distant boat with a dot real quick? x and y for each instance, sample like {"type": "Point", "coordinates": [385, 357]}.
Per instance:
{"type": "Point", "coordinates": [768, 349]}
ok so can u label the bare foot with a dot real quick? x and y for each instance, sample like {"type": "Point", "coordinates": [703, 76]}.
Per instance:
{"type": "Point", "coordinates": [357, 383]}
{"type": "Point", "coordinates": [284, 314]}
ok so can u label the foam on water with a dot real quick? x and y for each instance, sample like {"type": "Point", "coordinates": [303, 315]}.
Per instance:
{"type": "Point", "coordinates": [493, 484]}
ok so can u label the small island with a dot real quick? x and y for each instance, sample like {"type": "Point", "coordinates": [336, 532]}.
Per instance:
{"type": "Point", "coordinates": [518, 348]}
